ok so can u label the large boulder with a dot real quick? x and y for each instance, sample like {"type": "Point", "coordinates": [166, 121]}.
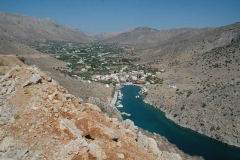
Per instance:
{"type": "Point", "coordinates": [36, 78]}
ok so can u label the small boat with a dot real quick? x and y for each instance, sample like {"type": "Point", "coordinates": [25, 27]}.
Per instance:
{"type": "Point", "coordinates": [117, 103]}
{"type": "Point", "coordinates": [119, 106]}
{"type": "Point", "coordinates": [137, 96]}
{"type": "Point", "coordinates": [120, 95]}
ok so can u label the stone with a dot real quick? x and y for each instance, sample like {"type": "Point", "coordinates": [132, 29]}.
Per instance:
{"type": "Point", "coordinates": [55, 82]}
{"type": "Point", "coordinates": [51, 96]}
{"type": "Point", "coordinates": [36, 78]}
{"type": "Point", "coordinates": [58, 104]}
{"type": "Point", "coordinates": [74, 147]}
{"type": "Point", "coordinates": [6, 76]}
{"type": "Point", "coordinates": [11, 89]}
{"type": "Point", "coordinates": [49, 79]}
{"type": "Point", "coordinates": [111, 133]}
{"type": "Point", "coordinates": [128, 124]}
{"type": "Point", "coordinates": [1, 102]}
{"type": "Point", "coordinates": [65, 109]}
{"type": "Point", "coordinates": [152, 146]}
{"type": "Point", "coordinates": [6, 143]}
{"type": "Point", "coordinates": [169, 156]}
{"type": "Point", "coordinates": [142, 141]}
{"type": "Point", "coordinates": [67, 124]}
{"type": "Point", "coordinates": [8, 156]}
{"type": "Point", "coordinates": [121, 156]}
{"type": "Point", "coordinates": [96, 151]}
{"type": "Point", "coordinates": [36, 154]}
{"type": "Point", "coordinates": [94, 107]}
{"type": "Point", "coordinates": [80, 107]}
{"type": "Point", "coordinates": [21, 153]}
{"type": "Point", "coordinates": [55, 109]}
{"type": "Point", "coordinates": [56, 115]}
{"type": "Point", "coordinates": [3, 91]}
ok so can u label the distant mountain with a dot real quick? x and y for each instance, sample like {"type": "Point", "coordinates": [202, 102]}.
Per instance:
{"type": "Point", "coordinates": [145, 35]}
{"type": "Point", "coordinates": [16, 31]}
{"type": "Point", "coordinates": [107, 35]}
{"type": "Point", "coordinates": [166, 46]}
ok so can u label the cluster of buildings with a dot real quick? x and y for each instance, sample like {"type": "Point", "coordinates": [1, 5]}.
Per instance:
{"type": "Point", "coordinates": [136, 77]}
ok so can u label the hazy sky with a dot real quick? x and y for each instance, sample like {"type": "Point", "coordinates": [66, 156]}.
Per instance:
{"type": "Point", "coordinates": [95, 16]}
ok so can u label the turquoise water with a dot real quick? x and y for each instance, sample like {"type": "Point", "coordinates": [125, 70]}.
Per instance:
{"type": "Point", "coordinates": [153, 120]}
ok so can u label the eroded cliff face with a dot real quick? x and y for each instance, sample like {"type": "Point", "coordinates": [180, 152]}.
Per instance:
{"type": "Point", "coordinates": [41, 120]}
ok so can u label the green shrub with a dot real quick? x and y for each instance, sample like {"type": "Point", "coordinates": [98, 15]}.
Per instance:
{"type": "Point", "coordinates": [189, 93]}
{"type": "Point", "coordinates": [22, 59]}
{"type": "Point", "coordinates": [16, 116]}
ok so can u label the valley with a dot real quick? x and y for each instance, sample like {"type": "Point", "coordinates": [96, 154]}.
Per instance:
{"type": "Point", "coordinates": [192, 75]}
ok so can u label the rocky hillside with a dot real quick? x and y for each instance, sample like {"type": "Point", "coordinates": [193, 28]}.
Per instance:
{"type": "Point", "coordinates": [164, 47]}
{"type": "Point", "coordinates": [206, 97]}
{"type": "Point", "coordinates": [145, 36]}
{"type": "Point", "coordinates": [41, 120]}
{"type": "Point", "coordinates": [18, 31]}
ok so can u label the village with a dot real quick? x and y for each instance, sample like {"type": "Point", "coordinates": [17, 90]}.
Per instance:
{"type": "Point", "coordinates": [103, 63]}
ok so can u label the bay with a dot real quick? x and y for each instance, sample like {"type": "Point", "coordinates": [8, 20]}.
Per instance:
{"type": "Point", "coordinates": [149, 118]}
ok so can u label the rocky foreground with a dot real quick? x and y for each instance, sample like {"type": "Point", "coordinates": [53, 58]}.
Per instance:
{"type": "Point", "coordinates": [41, 120]}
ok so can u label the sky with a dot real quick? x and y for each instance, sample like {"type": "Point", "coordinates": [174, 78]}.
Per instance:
{"type": "Point", "coordinates": [96, 16]}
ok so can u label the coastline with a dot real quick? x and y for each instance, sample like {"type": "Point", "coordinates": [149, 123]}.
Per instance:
{"type": "Point", "coordinates": [170, 117]}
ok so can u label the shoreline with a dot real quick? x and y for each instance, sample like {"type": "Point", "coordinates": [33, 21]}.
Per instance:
{"type": "Point", "coordinates": [170, 117]}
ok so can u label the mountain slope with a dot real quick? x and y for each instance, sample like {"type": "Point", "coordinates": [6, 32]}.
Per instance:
{"type": "Point", "coordinates": [18, 31]}
{"type": "Point", "coordinates": [145, 35]}
{"type": "Point", "coordinates": [40, 119]}
{"type": "Point", "coordinates": [207, 95]}
{"type": "Point", "coordinates": [183, 47]}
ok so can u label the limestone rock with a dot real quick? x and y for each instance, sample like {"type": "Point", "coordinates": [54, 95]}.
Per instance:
{"type": "Point", "coordinates": [36, 78]}
{"type": "Point", "coordinates": [169, 156]}
{"type": "Point", "coordinates": [55, 109]}
{"type": "Point", "coordinates": [111, 133]}
{"type": "Point", "coordinates": [49, 79]}
{"type": "Point", "coordinates": [6, 143]}
{"type": "Point", "coordinates": [97, 152]}
{"type": "Point", "coordinates": [121, 156]}
{"type": "Point", "coordinates": [6, 76]}
{"type": "Point", "coordinates": [37, 154]}
{"type": "Point", "coordinates": [142, 141]}
{"type": "Point", "coordinates": [55, 82]}
{"type": "Point", "coordinates": [152, 146]}
{"type": "Point", "coordinates": [14, 155]}
{"type": "Point", "coordinates": [128, 124]}
{"type": "Point", "coordinates": [74, 147]}
{"type": "Point", "coordinates": [94, 107]}
{"type": "Point", "coordinates": [10, 89]}
{"type": "Point", "coordinates": [67, 124]}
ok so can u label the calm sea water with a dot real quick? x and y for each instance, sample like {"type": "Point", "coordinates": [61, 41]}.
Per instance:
{"type": "Point", "coordinates": [153, 120]}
